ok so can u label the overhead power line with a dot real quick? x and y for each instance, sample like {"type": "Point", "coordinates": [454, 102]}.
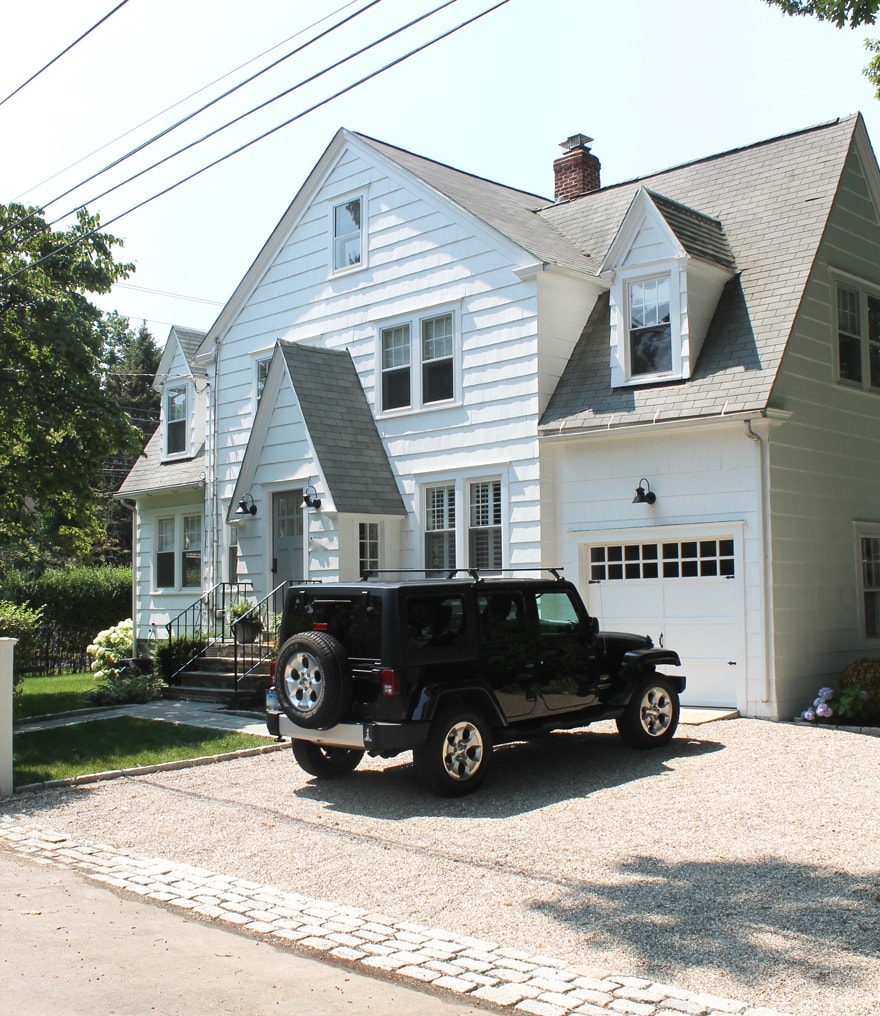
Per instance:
{"type": "Point", "coordinates": [192, 95]}
{"type": "Point", "coordinates": [67, 49]}
{"type": "Point", "coordinates": [168, 130]}
{"type": "Point", "coordinates": [256, 109]}
{"type": "Point", "coordinates": [323, 102]}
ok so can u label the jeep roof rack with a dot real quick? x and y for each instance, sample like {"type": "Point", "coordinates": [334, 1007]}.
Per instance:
{"type": "Point", "coordinates": [450, 573]}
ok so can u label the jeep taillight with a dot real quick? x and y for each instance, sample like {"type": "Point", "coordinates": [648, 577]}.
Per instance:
{"type": "Point", "coordinates": [320, 626]}
{"type": "Point", "coordinates": [390, 682]}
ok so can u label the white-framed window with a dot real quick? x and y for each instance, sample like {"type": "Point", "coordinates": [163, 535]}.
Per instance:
{"type": "Point", "coordinates": [440, 529]}
{"type": "Point", "coordinates": [176, 420]}
{"type": "Point", "coordinates": [649, 333]}
{"type": "Point", "coordinates": [232, 559]}
{"type": "Point", "coordinates": [178, 563]}
{"type": "Point", "coordinates": [868, 551]}
{"type": "Point", "coordinates": [473, 535]}
{"type": "Point", "coordinates": [261, 372]}
{"type": "Point", "coordinates": [417, 362]}
{"type": "Point", "coordinates": [858, 334]}
{"type": "Point", "coordinates": [348, 234]}
{"type": "Point", "coordinates": [484, 525]}
{"type": "Point", "coordinates": [368, 547]}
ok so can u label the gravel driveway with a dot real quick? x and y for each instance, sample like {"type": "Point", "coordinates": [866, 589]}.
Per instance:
{"type": "Point", "coordinates": [743, 859]}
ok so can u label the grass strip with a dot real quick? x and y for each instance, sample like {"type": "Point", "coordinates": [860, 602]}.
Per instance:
{"type": "Point", "coordinates": [121, 743]}
{"type": "Point", "coordinates": [55, 693]}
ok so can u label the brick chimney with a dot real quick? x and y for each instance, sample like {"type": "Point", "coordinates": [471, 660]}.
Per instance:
{"type": "Point", "coordinates": [576, 172]}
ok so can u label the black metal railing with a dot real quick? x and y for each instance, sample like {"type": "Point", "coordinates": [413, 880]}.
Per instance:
{"type": "Point", "coordinates": [255, 634]}
{"type": "Point", "coordinates": [203, 624]}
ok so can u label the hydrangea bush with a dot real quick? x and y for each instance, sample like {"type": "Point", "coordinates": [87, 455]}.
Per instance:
{"type": "Point", "coordinates": [118, 680]}
{"type": "Point", "coordinates": [837, 707]}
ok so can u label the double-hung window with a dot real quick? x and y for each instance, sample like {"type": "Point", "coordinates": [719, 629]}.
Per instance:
{"type": "Point", "coordinates": [368, 547]}
{"type": "Point", "coordinates": [650, 337]}
{"type": "Point", "coordinates": [858, 336]}
{"type": "Point", "coordinates": [347, 234]}
{"type": "Point", "coordinates": [179, 552]}
{"type": "Point", "coordinates": [869, 575]}
{"type": "Point", "coordinates": [176, 420]}
{"type": "Point", "coordinates": [473, 535]}
{"type": "Point", "coordinates": [484, 525]}
{"type": "Point", "coordinates": [418, 362]}
{"type": "Point", "coordinates": [440, 529]}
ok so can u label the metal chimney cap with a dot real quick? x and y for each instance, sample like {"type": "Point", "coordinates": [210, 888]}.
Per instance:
{"type": "Point", "coordinates": [575, 141]}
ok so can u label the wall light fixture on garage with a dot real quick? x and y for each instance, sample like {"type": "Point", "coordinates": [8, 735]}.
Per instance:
{"type": "Point", "coordinates": [644, 494]}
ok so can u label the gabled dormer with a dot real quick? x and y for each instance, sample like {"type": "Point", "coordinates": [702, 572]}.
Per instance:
{"type": "Point", "coordinates": [667, 266]}
{"type": "Point", "coordinates": [181, 383]}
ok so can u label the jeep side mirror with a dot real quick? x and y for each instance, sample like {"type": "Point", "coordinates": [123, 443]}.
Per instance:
{"type": "Point", "coordinates": [593, 627]}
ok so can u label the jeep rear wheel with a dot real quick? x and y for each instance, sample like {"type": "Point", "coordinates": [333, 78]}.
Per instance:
{"type": "Point", "coordinates": [325, 761]}
{"type": "Point", "coordinates": [455, 757]}
{"type": "Point", "coordinates": [313, 679]}
{"type": "Point", "coordinates": [651, 715]}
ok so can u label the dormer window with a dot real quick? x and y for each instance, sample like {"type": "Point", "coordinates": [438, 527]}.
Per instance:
{"type": "Point", "coordinates": [667, 267]}
{"type": "Point", "coordinates": [347, 234]}
{"type": "Point", "coordinates": [176, 420]}
{"type": "Point", "coordinates": [650, 338]}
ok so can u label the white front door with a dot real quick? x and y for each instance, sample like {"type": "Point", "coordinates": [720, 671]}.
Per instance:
{"type": "Point", "coordinates": [683, 591]}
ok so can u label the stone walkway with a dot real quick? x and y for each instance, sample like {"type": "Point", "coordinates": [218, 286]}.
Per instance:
{"type": "Point", "coordinates": [470, 968]}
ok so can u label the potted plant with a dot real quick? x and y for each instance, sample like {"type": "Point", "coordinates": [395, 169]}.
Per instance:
{"type": "Point", "coordinates": [245, 620]}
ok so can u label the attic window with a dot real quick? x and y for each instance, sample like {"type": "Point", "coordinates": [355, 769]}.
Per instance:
{"type": "Point", "coordinates": [650, 337]}
{"type": "Point", "coordinates": [858, 337]}
{"type": "Point", "coordinates": [347, 234]}
{"type": "Point", "coordinates": [176, 420]}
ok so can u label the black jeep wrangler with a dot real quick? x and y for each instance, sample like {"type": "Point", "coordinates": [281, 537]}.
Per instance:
{"type": "Point", "coordinates": [447, 668]}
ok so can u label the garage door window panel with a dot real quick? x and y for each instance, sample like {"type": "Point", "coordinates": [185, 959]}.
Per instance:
{"type": "Point", "coordinates": [684, 559]}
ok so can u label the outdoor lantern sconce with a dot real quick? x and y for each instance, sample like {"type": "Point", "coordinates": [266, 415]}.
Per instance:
{"type": "Point", "coordinates": [644, 494]}
{"type": "Point", "coordinates": [311, 499]}
{"type": "Point", "coordinates": [246, 506]}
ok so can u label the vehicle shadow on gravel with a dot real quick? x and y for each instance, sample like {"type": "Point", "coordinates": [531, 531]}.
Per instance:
{"type": "Point", "coordinates": [781, 921]}
{"type": "Point", "coordinates": [524, 777]}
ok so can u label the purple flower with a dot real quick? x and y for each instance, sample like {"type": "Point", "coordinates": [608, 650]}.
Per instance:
{"type": "Point", "coordinates": [808, 715]}
{"type": "Point", "coordinates": [825, 694]}
{"type": "Point", "coordinates": [824, 711]}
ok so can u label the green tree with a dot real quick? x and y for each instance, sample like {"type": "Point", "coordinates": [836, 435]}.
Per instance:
{"type": "Point", "coordinates": [59, 424]}
{"type": "Point", "coordinates": [131, 359]}
{"type": "Point", "coordinates": [842, 13]}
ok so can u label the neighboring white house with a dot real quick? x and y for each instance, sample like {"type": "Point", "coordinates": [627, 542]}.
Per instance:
{"type": "Point", "coordinates": [670, 387]}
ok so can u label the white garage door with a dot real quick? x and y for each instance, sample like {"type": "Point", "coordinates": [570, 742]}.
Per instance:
{"type": "Point", "coordinates": [685, 594]}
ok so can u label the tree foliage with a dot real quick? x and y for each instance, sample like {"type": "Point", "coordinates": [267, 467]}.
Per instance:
{"type": "Point", "coordinates": [59, 424]}
{"type": "Point", "coordinates": [842, 13]}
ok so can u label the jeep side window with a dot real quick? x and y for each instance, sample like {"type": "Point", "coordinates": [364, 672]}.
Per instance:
{"type": "Point", "coordinates": [435, 621]}
{"type": "Point", "coordinates": [502, 616]}
{"type": "Point", "coordinates": [556, 613]}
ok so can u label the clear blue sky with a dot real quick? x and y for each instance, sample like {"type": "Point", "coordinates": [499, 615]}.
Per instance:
{"type": "Point", "coordinates": [655, 82]}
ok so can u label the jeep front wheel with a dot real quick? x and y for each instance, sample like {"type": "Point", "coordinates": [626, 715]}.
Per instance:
{"type": "Point", "coordinates": [651, 715]}
{"type": "Point", "coordinates": [313, 679]}
{"type": "Point", "coordinates": [455, 757]}
{"type": "Point", "coordinates": [325, 761]}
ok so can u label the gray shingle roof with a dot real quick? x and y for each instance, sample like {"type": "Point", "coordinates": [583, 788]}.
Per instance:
{"type": "Point", "coordinates": [150, 473]}
{"type": "Point", "coordinates": [773, 200]}
{"type": "Point", "coordinates": [190, 340]}
{"type": "Point", "coordinates": [342, 429]}
{"type": "Point", "coordinates": [700, 235]}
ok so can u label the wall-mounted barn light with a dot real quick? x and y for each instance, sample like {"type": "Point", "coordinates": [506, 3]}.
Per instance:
{"type": "Point", "coordinates": [246, 506]}
{"type": "Point", "coordinates": [644, 494]}
{"type": "Point", "coordinates": [311, 499]}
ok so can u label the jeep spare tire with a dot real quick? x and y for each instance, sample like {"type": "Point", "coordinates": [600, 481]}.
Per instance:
{"type": "Point", "coordinates": [313, 679]}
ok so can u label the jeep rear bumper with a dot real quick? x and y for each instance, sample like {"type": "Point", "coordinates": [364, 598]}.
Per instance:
{"type": "Point", "coordinates": [377, 738]}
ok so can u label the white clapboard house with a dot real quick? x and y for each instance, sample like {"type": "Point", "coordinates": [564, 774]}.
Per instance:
{"type": "Point", "coordinates": [669, 386]}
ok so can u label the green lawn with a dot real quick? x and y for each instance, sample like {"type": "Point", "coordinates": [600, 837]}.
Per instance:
{"type": "Point", "coordinates": [55, 694]}
{"type": "Point", "coordinates": [100, 745]}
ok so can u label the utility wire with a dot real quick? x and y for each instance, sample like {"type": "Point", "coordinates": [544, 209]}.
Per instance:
{"type": "Point", "coordinates": [192, 95]}
{"type": "Point", "coordinates": [323, 102]}
{"type": "Point", "coordinates": [255, 109]}
{"type": "Point", "coordinates": [168, 130]}
{"type": "Point", "coordinates": [63, 51]}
